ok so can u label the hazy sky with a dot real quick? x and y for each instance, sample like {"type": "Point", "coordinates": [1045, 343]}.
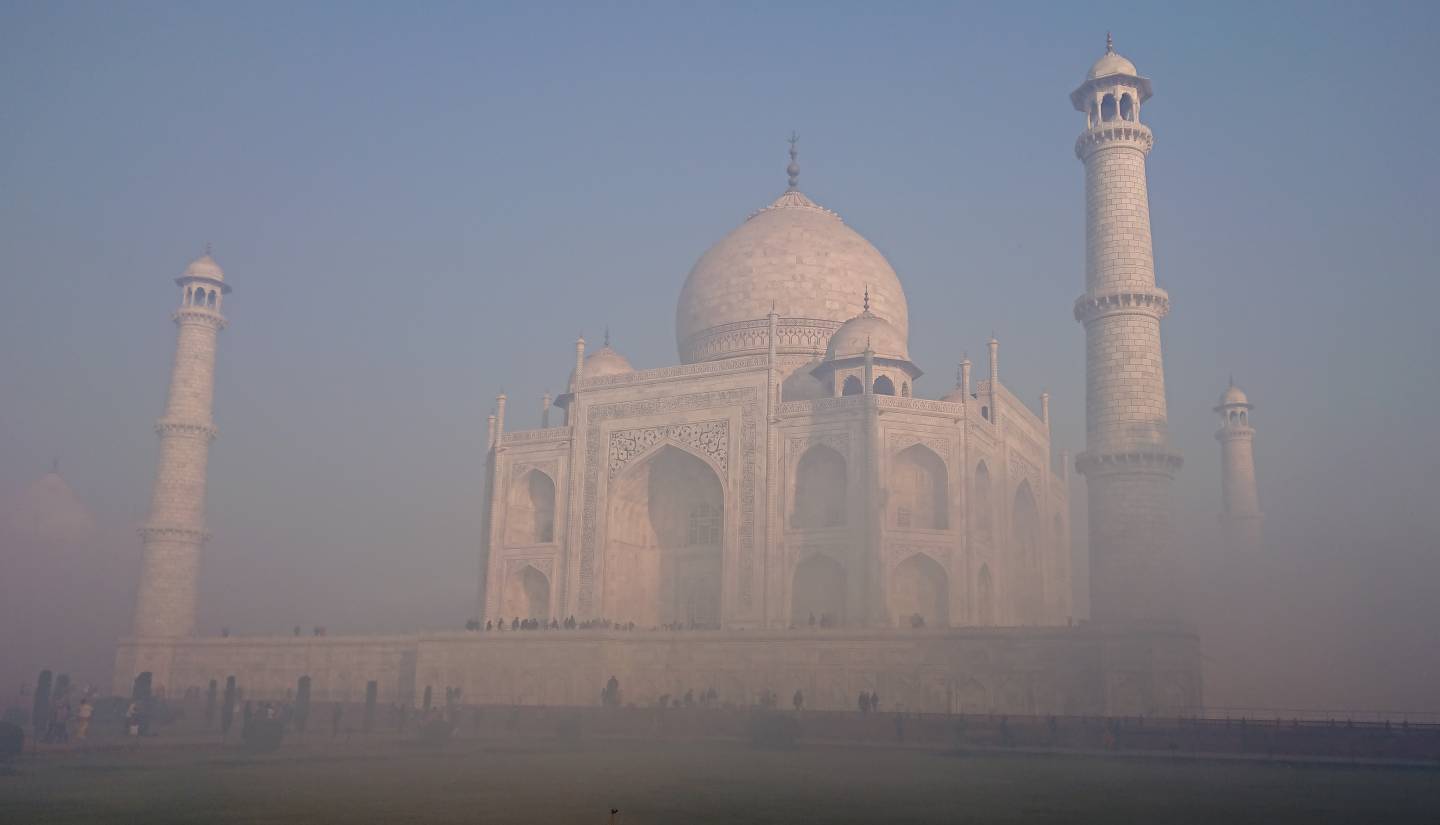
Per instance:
{"type": "Point", "coordinates": [421, 205]}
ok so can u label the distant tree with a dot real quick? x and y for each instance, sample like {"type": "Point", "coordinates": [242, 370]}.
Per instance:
{"type": "Point", "coordinates": [40, 708]}
{"type": "Point", "coordinates": [62, 688]}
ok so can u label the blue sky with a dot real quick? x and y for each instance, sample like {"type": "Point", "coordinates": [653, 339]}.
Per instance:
{"type": "Point", "coordinates": [421, 205]}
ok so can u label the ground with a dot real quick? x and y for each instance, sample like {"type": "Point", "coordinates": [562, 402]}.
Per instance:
{"type": "Point", "coordinates": [690, 783]}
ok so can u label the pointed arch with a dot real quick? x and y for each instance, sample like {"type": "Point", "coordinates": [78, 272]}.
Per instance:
{"type": "Point", "coordinates": [1107, 108]}
{"type": "Point", "coordinates": [531, 510]}
{"type": "Point", "coordinates": [665, 528]}
{"type": "Point", "coordinates": [818, 590]}
{"type": "Point", "coordinates": [884, 386]}
{"type": "Point", "coordinates": [852, 386]}
{"type": "Point", "coordinates": [527, 593]}
{"type": "Point", "coordinates": [1127, 107]}
{"type": "Point", "coordinates": [1029, 586]}
{"type": "Point", "coordinates": [820, 489]}
{"type": "Point", "coordinates": [919, 587]}
{"type": "Point", "coordinates": [985, 597]}
{"type": "Point", "coordinates": [919, 496]}
{"type": "Point", "coordinates": [983, 509]}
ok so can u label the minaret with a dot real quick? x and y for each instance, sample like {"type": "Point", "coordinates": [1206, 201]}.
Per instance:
{"type": "Point", "coordinates": [1128, 462]}
{"type": "Point", "coordinates": [175, 530]}
{"type": "Point", "coordinates": [1240, 499]}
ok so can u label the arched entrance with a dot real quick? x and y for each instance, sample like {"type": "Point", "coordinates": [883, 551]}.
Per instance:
{"type": "Point", "coordinates": [1029, 586]}
{"type": "Point", "coordinates": [527, 594]}
{"type": "Point", "coordinates": [820, 483]}
{"type": "Point", "coordinates": [920, 587]}
{"type": "Point", "coordinates": [665, 527]}
{"type": "Point", "coordinates": [819, 591]}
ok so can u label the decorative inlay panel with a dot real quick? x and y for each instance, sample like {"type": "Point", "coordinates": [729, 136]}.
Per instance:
{"type": "Point", "coordinates": [545, 564]}
{"type": "Point", "coordinates": [550, 467]}
{"type": "Point", "coordinates": [901, 441]}
{"type": "Point", "coordinates": [837, 441]}
{"type": "Point", "coordinates": [708, 438]}
{"type": "Point", "coordinates": [547, 434]}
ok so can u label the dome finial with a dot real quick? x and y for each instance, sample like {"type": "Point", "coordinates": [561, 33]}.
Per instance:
{"type": "Point", "coordinates": [207, 248]}
{"type": "Point", "coordinates": [793, 170]}
{"type": "Point", "coordinates": [1232, 379]}
{"type": "Point", "coordinates": [867, 297]}
{"type": "Point", "coordinates": [607, 335]}
{"type": "Point", "coordinates": [1109, 44]}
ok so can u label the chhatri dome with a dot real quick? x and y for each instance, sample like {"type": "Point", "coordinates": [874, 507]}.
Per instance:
{"type": "Point", "coordinates": [868, 331]}
{"type": "Point", "coordinates": [605, 361]}
{"type": "Point", "coordinates": [796, 258]}
{"type": "Point", "coordinates": [1111, 63]}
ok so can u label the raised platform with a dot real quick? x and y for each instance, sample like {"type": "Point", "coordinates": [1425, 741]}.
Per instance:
{"type": "Point", "coordinates": [1069, 670]}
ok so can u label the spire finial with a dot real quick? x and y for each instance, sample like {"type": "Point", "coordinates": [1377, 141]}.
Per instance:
{"type": "Point", "coordinates": [959, 372]}
{"type": "Point", "coordinates": [55, 466]}
{"type": "Point", "coordinates": [793, 170]}
{"type": "Point", "coordinates": [607, 335]}
{"type": "Point", "coordinates": [867, 297]}
{"type": "Point", "coordinates": [1109, 44]}
{"type": "Point", "coordinates": [207, 249]}
{"type": "Point", "coordinates": [1232, 379]}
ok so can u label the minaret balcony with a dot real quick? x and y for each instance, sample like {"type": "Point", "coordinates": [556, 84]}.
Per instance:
{"type": "Point", "coordinates": [1114, 133]}
{"type": "Point", "coordinates": [1153, 301]}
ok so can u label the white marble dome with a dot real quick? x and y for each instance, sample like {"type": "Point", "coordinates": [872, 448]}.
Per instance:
{"type": "Point", "coordinates": [796, 256]}
{"type": "Point", "coordinates": [205, 267]}
{"type": "Point", "coordinates": [604, 361]}
{"type": "Point", "coordinates": [1109, 64]}
{"type": "Point", "coordinates": [868, 330]}
{"type": "Point", "coordinates": [1233, 395]}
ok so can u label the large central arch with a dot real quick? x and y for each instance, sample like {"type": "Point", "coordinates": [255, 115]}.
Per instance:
{"type": "Point", "coordinates": [918, 490]}
{"type": "Point", "coordinates": [665, 525]}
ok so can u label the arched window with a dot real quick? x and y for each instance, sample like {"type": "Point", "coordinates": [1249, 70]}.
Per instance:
{"type": "Point", "coordinates": [1244, 418]}
{"type": "Point", "coordinates": [1094, 113]}
{"type": "Point", "coordinates": [1107, 108]}
{"type": "Point", "coordinates": [982, 514]}
{"type": "Point", "coordinates": [820, 485]}
{"type": "Point", "coordinates": [852, 386]}
{"type": "Point", "coordinates": [531, 516]}
{"type": "Point", "coordinates": [985, 604]}
{"type": "Point", "coordinates": [211, 301]}
{"type": "Point", "coordinates": [704, 525]}
{"type": "Point", "coordinates": [527, 594]}
{"type": "Point", "coordinates": [884, 386]}
{"type": "Point", "coordinates": [189, 295]}
{"type": "Point", "coordinates": [918, 491]}
{"type": "Point", "coordinates": [1127, 107]}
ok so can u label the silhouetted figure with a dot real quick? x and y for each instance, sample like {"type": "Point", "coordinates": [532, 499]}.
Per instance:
{"type": "Point", "coordinates": [874, 701]}
{"type": "Point", "coordinates": [864, 702]}
{"type": "Point", "coordinates": [489, 624]}
{"type": "Point", "coordinates": [798, 700]}
{"type": "Point", "coordinates": [812, 618]}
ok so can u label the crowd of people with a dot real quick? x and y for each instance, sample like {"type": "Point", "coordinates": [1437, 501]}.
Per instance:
{"type": "Point", "coordinates": [571, 623]}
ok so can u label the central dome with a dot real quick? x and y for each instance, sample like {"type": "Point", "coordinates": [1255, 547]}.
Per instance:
{"type": "Point", "coordinates": [797, 257]}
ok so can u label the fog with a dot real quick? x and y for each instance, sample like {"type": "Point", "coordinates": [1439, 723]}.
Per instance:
{"type": "Point", "coordinates": [418, 212]}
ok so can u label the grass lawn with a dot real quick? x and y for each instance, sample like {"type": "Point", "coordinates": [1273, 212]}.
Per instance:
{"type": "Point", "coordinates": [689, 783]}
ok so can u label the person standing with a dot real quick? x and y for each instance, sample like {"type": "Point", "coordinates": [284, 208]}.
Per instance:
{"type": "Point", "coordinates": [82, 719]}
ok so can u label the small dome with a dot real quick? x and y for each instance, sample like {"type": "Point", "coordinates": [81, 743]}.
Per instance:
{"type": "Point", "coordinates": [605, 361]}
{"type": "Point", "coordinates": [955, 396]}
{"type": "Point", "coordinates": [800, 385]}
{"type": "Point", "coordinates": [49, 513]}
{"type": "Point", "coordinates": [868, 331]}
{"type": "Point", "coordinates": [205, 267]}
{"type": "Point", "coordinates": [1111, 63]}
{"type": "Point", "coordinates": [1233, 395]}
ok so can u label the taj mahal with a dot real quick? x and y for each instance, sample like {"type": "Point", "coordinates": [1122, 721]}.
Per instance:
{"type": "Point", "coordinates": [781, 509]}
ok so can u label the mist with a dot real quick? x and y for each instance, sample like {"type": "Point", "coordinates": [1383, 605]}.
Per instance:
{"type": "Point", "coordinates": [418, 212]}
